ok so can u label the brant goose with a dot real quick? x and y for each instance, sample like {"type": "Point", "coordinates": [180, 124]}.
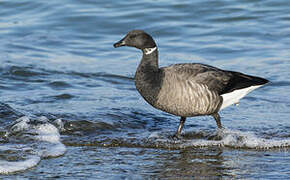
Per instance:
{"type": "Point", "coordinates": [187, 89]}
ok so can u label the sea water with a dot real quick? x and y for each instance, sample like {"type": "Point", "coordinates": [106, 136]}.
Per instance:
{"type": "Point", "coordinates": [69, 107]}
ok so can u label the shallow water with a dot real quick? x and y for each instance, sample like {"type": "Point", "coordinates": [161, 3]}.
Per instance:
{"type": "Point", "coordinates": [69, 107]}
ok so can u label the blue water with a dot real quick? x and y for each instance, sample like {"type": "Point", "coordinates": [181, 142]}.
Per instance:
{"type": "Point", "coordinates": [69, 107]}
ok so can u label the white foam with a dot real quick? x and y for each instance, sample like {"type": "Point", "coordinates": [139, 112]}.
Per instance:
{"type": "Point", "coordinates": [47, 132]}
{"type": "Point", "coordinates": [229, 138]}
{"type": "Point", "coordinates": [59, 124]}
{"type": "Point", "coordinates": [240, 139]}
{"type": "Point", "coordinates": [20, 125]}
{"type": "Point", "coordinates": [40, 140]}
{"type": "Point", "coordinates": [154, 135]}
{"type": "Point", "coordinates": [55, 150]}
{"type": "Point", "coordinates": [7, 167]}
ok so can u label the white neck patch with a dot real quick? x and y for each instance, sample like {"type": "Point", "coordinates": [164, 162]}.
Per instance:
{"type": "Point", "coordinates": [148, 51]}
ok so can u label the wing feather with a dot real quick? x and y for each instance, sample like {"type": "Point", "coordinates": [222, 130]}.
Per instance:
{"type": "Point", "coordinates": [215, 79]}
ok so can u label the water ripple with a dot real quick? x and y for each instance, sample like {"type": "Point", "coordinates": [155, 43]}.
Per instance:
{"type": "Point", "coordinates": [57, 60]}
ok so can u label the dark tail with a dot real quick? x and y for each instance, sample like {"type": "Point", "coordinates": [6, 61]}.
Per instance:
{"type": "Point", "coordinates": [240, 81]}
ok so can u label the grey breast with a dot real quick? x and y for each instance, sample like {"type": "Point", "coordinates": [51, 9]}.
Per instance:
{"type": "Point", "coordinates": [182, 94]}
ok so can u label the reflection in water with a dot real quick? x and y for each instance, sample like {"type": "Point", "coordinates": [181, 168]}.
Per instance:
{"type": "Point", "coordinates": [192, 163]}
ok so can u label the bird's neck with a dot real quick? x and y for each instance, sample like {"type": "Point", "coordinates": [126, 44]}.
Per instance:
{"type": "Point", "coordinates": [149, 60]}
{"type": "Point", "coordinates": [148, 76]}
{"type": "Point", "coordinates": [147, 71]}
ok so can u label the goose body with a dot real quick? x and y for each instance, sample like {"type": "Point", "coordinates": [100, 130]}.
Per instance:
{"type": "Point", "coordinates": [188, 89]}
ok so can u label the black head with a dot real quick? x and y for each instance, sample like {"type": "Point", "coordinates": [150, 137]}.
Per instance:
{"type": "Point", "coordinates": [138, 39]}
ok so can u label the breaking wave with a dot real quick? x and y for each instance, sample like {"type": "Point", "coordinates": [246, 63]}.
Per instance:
{"type": "Point", "coordinates": [27, 142]}
{"type": "Point", "coordinates": [223, 138]}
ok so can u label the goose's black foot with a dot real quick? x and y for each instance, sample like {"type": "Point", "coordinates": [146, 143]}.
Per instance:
{"type": "Point", "coordinates": [176, 137]}
{"type": "Point", "coordinates": [217, 136]}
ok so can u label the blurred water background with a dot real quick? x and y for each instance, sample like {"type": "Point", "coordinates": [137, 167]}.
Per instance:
{"type": "Point", "coordinates": [69, 108]}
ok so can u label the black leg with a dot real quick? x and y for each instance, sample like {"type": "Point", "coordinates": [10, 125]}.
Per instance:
{"type": "Point", "coordinates": [217, 118]}
{"type": "Point", "coordinates": [182, 121]}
